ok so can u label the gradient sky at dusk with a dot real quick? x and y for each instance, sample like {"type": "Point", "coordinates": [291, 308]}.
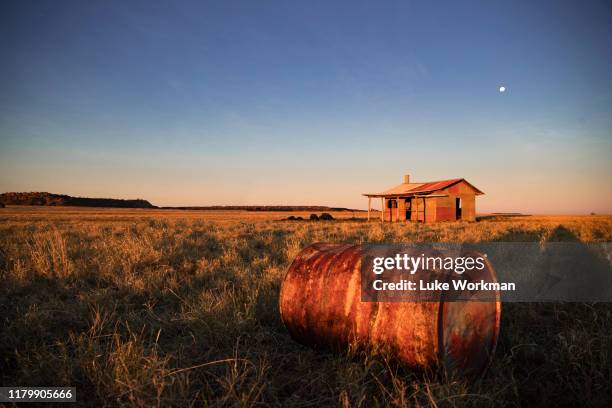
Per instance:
{"type": "Point", "coordinates": [200, 103]}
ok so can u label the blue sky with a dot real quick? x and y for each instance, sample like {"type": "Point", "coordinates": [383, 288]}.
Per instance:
{"type": "Point", "coordinates": [197, 103]}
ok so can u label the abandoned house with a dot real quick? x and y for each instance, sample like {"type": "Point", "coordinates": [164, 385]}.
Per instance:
{"type": "Point", "coordinates": [446, 200]}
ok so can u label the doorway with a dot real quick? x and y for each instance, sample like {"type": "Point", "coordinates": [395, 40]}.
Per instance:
{"type": "Point", "coordinates": [458, 208]}
{"type": "Point", "coordinates": [408, 206]}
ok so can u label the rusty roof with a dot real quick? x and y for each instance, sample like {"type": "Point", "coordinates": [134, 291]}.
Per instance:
{"type": "Point", "coordinates": [410, 189]}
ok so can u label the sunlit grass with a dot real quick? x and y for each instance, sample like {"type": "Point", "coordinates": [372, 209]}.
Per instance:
{"type": "Point", "coordinates": [149, 307]}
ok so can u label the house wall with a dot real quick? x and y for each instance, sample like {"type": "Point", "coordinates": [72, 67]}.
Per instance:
{"type": "Point", "coordinates": [413, 206]}
{"type": "Point", "coordinates": [468, 211]}
{"type": "Point", "coordinates": [429, 204]}
{"type": "Point", "coordinates": [430, 209]}
{"type": "Point", "coordinates": [401, 208]}
{"type": "Point", "coordinates": [445, 210]}
{"type": "Point", "coordinates": [389, 212]}
{"type": "Point", "coordinates": [417, 204]}
{"type": "Point", "coordinates": [398, 213]}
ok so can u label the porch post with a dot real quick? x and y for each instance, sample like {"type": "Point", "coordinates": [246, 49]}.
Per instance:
{"type": "Point", "coordinates": [369, 206]}
{"type": "Point", "coordinates": [397, 212]}
{"type": "Point", "coordinates": [382, 209]}
{"type": "Point", "coordinates": [424, 211]}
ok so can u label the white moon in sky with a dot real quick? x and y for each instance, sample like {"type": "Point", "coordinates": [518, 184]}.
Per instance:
{"type": "Point", "coordinates": [502, 89]}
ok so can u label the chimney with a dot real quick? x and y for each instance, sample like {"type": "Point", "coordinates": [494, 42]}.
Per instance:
{"type": "Point", "coordinates": [407, 179]}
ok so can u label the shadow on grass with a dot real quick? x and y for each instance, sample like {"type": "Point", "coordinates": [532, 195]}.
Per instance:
{"type": "Point", "coordinates": [558, 353]}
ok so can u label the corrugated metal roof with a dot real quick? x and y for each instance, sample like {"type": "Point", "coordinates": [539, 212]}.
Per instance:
{"type": "Point", "coordinates": [435, 185]}
{"type": "Point", "coordinates": [420, 188]}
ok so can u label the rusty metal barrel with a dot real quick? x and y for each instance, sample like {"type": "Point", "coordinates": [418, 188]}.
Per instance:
{"type": "Point", "coordinates": [321, 307]}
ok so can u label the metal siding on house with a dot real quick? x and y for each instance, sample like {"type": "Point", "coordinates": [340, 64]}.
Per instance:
{"type": "Point", "coordinates": [445, 214]}
{"type": "Point", "coordinates": [391, 214]}
{"type": "Point", "coordinates": [468, 211]}
{"type": "Point", "coordinates": [401, 209]}
{"type": "Point", "coordinates": [430, 209]}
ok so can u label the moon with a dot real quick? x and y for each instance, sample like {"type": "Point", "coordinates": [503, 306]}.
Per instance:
{"type": "Point", "coordinates": [502, 89]}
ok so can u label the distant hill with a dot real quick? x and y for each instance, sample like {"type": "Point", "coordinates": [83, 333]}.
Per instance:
{"type": "Point", "coordinates": [66, 200]}
{"type": "Point", "coordinates": [314, 208]}
{"type": "Point", "coordinates": [60, 200]}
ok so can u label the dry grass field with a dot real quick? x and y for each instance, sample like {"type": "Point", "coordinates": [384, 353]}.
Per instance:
{"type": "Point", "coordinates": [179, 308]}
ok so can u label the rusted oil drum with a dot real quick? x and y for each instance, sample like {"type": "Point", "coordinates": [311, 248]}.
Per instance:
{"type": "Point", "coordinates": [321, 307]}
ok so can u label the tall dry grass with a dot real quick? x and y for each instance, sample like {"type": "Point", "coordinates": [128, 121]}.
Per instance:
{"type": "Point", "coordinates": [154, 308]}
